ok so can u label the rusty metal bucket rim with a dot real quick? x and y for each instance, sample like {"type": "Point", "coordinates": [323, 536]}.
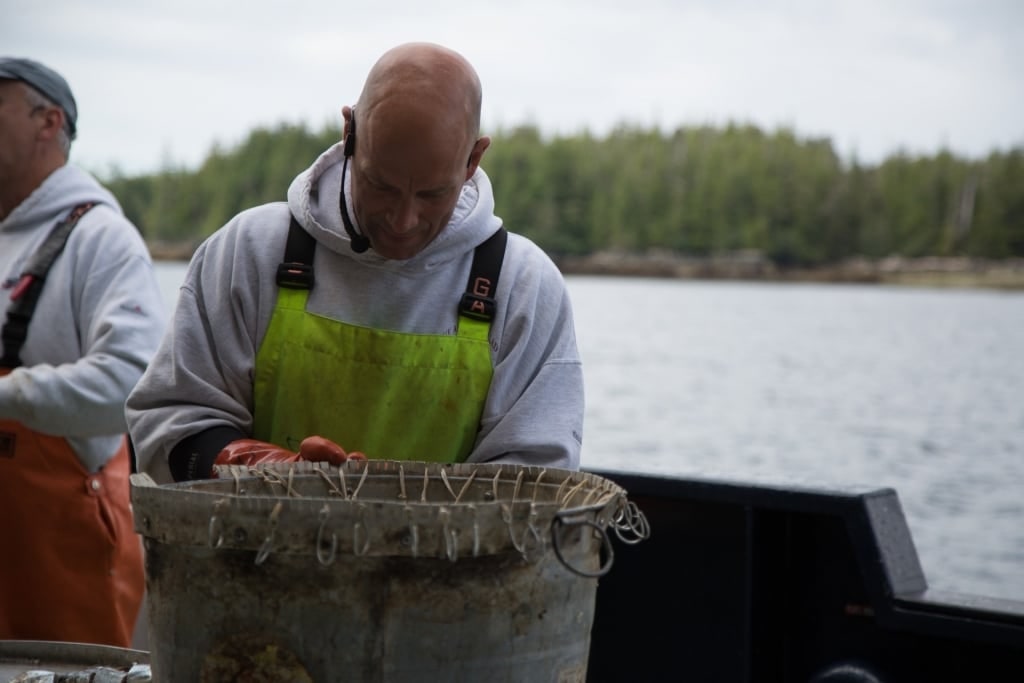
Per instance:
{"type": "Point", "coordinates": [224, 513]}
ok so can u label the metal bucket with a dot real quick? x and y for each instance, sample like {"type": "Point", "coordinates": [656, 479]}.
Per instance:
{"type": "Point", "coordinates": [377, 571]}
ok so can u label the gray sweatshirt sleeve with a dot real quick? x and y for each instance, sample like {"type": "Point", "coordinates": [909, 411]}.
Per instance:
{"type": "Point", "coordinates": [201, 376]}
{"type": "Point", "coordinates": [118, 320]}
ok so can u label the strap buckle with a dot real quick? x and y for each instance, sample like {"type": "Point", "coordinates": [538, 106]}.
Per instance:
{"type": "Point", "coordinates": [295, 275]}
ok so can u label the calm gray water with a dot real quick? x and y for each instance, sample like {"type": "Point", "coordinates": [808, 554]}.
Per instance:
{"type": "Point", "coordinates": [919, 390]}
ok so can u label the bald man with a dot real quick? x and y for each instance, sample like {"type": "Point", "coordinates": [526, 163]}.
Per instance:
{"type": "Point", "coordinates": [383, 311]}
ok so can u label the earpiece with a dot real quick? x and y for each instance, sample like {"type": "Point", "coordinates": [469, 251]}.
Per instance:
{"type": "Point", "coordinates": [359, 243]}
{"type": "Point", "coordinates": [350, 139]}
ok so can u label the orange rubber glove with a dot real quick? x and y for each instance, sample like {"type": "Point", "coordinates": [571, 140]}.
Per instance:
{"type": "Point", "coordinates": [252, 452]}
{"type": "Point", "coordinates": [319, 449]}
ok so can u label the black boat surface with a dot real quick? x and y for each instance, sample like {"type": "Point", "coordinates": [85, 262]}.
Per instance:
{"type": "Point", "coordinates": [740, 582]}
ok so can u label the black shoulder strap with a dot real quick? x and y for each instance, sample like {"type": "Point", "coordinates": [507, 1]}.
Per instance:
{"type": "Point", "coordinates": [26, 293]}
{"type": "Point", "coordinates": [478, 301]}
{"type": "Point", "coordinates": [296, 271]}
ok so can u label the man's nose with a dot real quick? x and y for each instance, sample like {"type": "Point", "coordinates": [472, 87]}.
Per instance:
{"type": "Point", "coordinates": [405, 217]}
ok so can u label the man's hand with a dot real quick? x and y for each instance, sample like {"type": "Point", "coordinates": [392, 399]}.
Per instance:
{"type": "Point", "coordinates": [251, 452]}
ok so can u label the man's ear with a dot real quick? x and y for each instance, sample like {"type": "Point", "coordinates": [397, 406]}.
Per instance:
{"type": "Point", "coordinates": [479, 147]}
{"type": "Point", "coordinates": [53, 120]}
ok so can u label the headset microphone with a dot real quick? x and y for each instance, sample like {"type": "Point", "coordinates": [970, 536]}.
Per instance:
{"type": "Point", "coordinates": [359, 243]}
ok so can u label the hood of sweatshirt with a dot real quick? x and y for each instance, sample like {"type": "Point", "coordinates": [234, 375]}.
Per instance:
{"type": "Point", "coordinates": [313, 198]}
{"type": "Point", "coordinates": [64, 189]}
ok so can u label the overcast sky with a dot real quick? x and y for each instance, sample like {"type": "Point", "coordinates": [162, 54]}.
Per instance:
{"type": "Point", "coordinates": [159, 83]}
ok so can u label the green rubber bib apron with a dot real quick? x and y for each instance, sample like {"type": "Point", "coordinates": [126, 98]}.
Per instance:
{"type": "Point", "coordinates": [391, 395]}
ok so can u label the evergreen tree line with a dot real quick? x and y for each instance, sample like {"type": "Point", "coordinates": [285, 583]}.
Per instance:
{"type": "Point", "coordinates": [696, 191]}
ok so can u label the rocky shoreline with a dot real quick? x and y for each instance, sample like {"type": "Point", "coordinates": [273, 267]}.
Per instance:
{"type": "Point", "coordinates": [751, 266]}
{"type": "Point", "coordinates": [924, 272]}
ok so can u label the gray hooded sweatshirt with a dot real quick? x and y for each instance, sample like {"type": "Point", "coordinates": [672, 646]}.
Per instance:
{"type": "Point", "coordinates": [98, 320]}
{"type": "Point", "coordinates": [202, 375]}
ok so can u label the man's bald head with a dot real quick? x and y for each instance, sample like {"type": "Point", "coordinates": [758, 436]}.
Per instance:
{"type": "Point", "coordinates": [418, 143]}
{"type": "Point", "coordinates": [425, 76]}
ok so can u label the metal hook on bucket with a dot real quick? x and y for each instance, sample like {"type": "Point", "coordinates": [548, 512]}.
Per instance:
{"type": "Point", "coordinates": [528, 532]}
{"type": "Point", "coordinates": [216, 530]}
{"type": "Point", "coordinates": [355, 533]}
{"type": "Point", "coordinates": [268, 542]}
{"type": "Point", "coordinates": [581, 520]}
{"type": "Point", "coordinates": [476, 531]}
{"type": "Point", "coordinates": [534, 532]}
{"type": "Point", "coordinates": [633, 520]}
{"type": "Point", "coordinates": [451, 536]}
{"type": "Point", "coordinates": [325, 512]}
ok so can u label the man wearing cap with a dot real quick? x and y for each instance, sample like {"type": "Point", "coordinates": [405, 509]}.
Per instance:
{"type": "Point", "coordinates": [81, 314]}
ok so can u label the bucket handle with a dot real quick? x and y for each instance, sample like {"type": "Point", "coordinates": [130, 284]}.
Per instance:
{"type": "Point", "coordinates": [562, 518]}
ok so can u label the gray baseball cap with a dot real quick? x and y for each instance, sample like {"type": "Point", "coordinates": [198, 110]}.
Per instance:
{"type": "Point", "coordinates": [44, 79]}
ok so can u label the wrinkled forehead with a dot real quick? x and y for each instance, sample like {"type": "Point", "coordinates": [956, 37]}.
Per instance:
{"type": "Point", "coordinates": [397, 134]}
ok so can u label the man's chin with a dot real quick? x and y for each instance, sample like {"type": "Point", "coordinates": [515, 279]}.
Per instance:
{"type": "Point", "coordinates": [396, 250]}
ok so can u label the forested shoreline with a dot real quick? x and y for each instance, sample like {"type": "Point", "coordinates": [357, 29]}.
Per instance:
{"type": "Point", "coordinates": [733, 201]}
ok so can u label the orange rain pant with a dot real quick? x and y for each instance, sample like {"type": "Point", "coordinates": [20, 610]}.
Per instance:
{"type": "Point", "coordinates": [70, 560]}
